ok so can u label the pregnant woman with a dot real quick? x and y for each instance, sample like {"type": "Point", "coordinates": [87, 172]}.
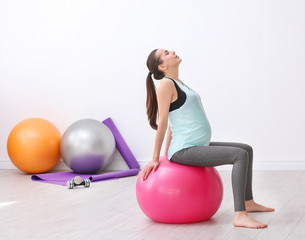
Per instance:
{"type": "Point", "coordinates": [180, 112]}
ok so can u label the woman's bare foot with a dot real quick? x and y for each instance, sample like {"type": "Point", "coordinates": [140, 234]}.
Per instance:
{"type": "Point", "coordinates": [252, 206]}
{"type": "Point", "coordinates": [241, 219]}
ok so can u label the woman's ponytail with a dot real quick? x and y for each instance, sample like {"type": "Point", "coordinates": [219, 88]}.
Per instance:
{"type": "Point", "coordinates": [151, 102]}
{"type": "Point", "coordinates": [153, 61]}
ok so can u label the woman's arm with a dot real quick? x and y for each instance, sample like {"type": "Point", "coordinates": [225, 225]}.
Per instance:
{"type": "Point", "coordinates": [168, 140]}
{"type": "Point", "coordinates": [165, 93]}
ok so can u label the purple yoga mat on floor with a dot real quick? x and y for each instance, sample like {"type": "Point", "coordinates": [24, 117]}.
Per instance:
{"type": "Point", "coordinates": [61, 178]}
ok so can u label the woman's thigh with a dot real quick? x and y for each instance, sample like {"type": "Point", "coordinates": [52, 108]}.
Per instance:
{"type": "Point", "coordinates": [209, 156]}
{"type": "Point", "coordinates": [244, 146]}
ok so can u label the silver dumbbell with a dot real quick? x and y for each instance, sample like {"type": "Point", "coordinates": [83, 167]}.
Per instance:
{"type": "Point", "coordinates": [78, 181]}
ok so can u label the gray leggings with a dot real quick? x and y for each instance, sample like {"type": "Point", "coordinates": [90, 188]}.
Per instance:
{"type": "Point", "coordinates": [220, 153]}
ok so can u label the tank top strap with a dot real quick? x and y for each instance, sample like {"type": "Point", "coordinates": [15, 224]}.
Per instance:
{"type": "Point", "coordinates": [182, 83]}
{"type": "Point", "coordinates": [169, 78]}
{"type": "Point", "coordinates": [181, 97]}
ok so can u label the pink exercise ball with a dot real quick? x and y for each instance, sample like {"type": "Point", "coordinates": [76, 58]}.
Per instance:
{"type": "Point", "coordinates": [177, 193]}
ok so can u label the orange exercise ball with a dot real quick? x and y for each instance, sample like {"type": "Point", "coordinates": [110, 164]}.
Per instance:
{"type": "Point", "coordinates": [34, 145]}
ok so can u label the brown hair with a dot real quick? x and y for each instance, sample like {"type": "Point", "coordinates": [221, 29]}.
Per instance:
{"type": "Point", "coordinates": [153, 61]}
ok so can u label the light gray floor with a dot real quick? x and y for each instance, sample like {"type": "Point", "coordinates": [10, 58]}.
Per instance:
{"type": "Point", "coordinates": [109, 210]}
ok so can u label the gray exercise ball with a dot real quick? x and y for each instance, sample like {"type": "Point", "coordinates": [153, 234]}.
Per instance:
{"type": "Point", "coordinates": [87, 146]}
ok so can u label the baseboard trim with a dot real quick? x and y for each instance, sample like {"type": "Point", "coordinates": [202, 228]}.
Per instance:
{"type": "Point", "coordinates": [257, 165]}
{"type": "Point", "coordinates": [265, 164]}
{"type": "Point", "coordinates": [5, 164]}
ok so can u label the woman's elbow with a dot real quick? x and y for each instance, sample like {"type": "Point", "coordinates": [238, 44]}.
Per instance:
{"type": "Point", "coordinates": [163, 123]}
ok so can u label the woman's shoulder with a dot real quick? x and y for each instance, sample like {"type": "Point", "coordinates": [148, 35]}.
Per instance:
{"type": "Point", "coordinates": [166, 84]}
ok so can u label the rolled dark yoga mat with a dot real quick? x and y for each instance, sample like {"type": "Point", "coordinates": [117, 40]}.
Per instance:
{"type": "Point", "coordinates": [61, 178]}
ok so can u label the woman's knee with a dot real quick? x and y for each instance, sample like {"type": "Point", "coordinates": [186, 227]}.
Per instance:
{"type": "Point", "coordinates": [249, 149]}
{"type": "Point", "coordinates": [242, 155]}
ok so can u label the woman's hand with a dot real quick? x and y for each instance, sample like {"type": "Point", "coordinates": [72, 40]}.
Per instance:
{"type": "Point", "coordinates": [152, 165]}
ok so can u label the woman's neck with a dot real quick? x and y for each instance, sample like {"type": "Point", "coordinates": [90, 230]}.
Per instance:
{"type": "Point", "coordinates": [173, 74]}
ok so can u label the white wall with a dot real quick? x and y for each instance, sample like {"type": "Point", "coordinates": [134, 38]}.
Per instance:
{"type": "Point", "coordinates": [66, 60]}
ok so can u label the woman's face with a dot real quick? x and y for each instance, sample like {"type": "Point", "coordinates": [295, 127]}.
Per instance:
{"type": "Point", "coordinates": [169, 59]}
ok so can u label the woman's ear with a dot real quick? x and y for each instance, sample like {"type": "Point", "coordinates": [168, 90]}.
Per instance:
{"type": "Point", "coordinates": [162, 67]}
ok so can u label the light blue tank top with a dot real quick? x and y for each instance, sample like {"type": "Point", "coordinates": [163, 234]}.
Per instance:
{"type": "Point", "coordinates": [189, 124]}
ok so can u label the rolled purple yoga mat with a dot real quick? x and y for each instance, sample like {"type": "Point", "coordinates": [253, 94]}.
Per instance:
{"type": "Point", "coordinates": [121, 145]}
{"type": "Point", "coordinates": [61, 178]}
